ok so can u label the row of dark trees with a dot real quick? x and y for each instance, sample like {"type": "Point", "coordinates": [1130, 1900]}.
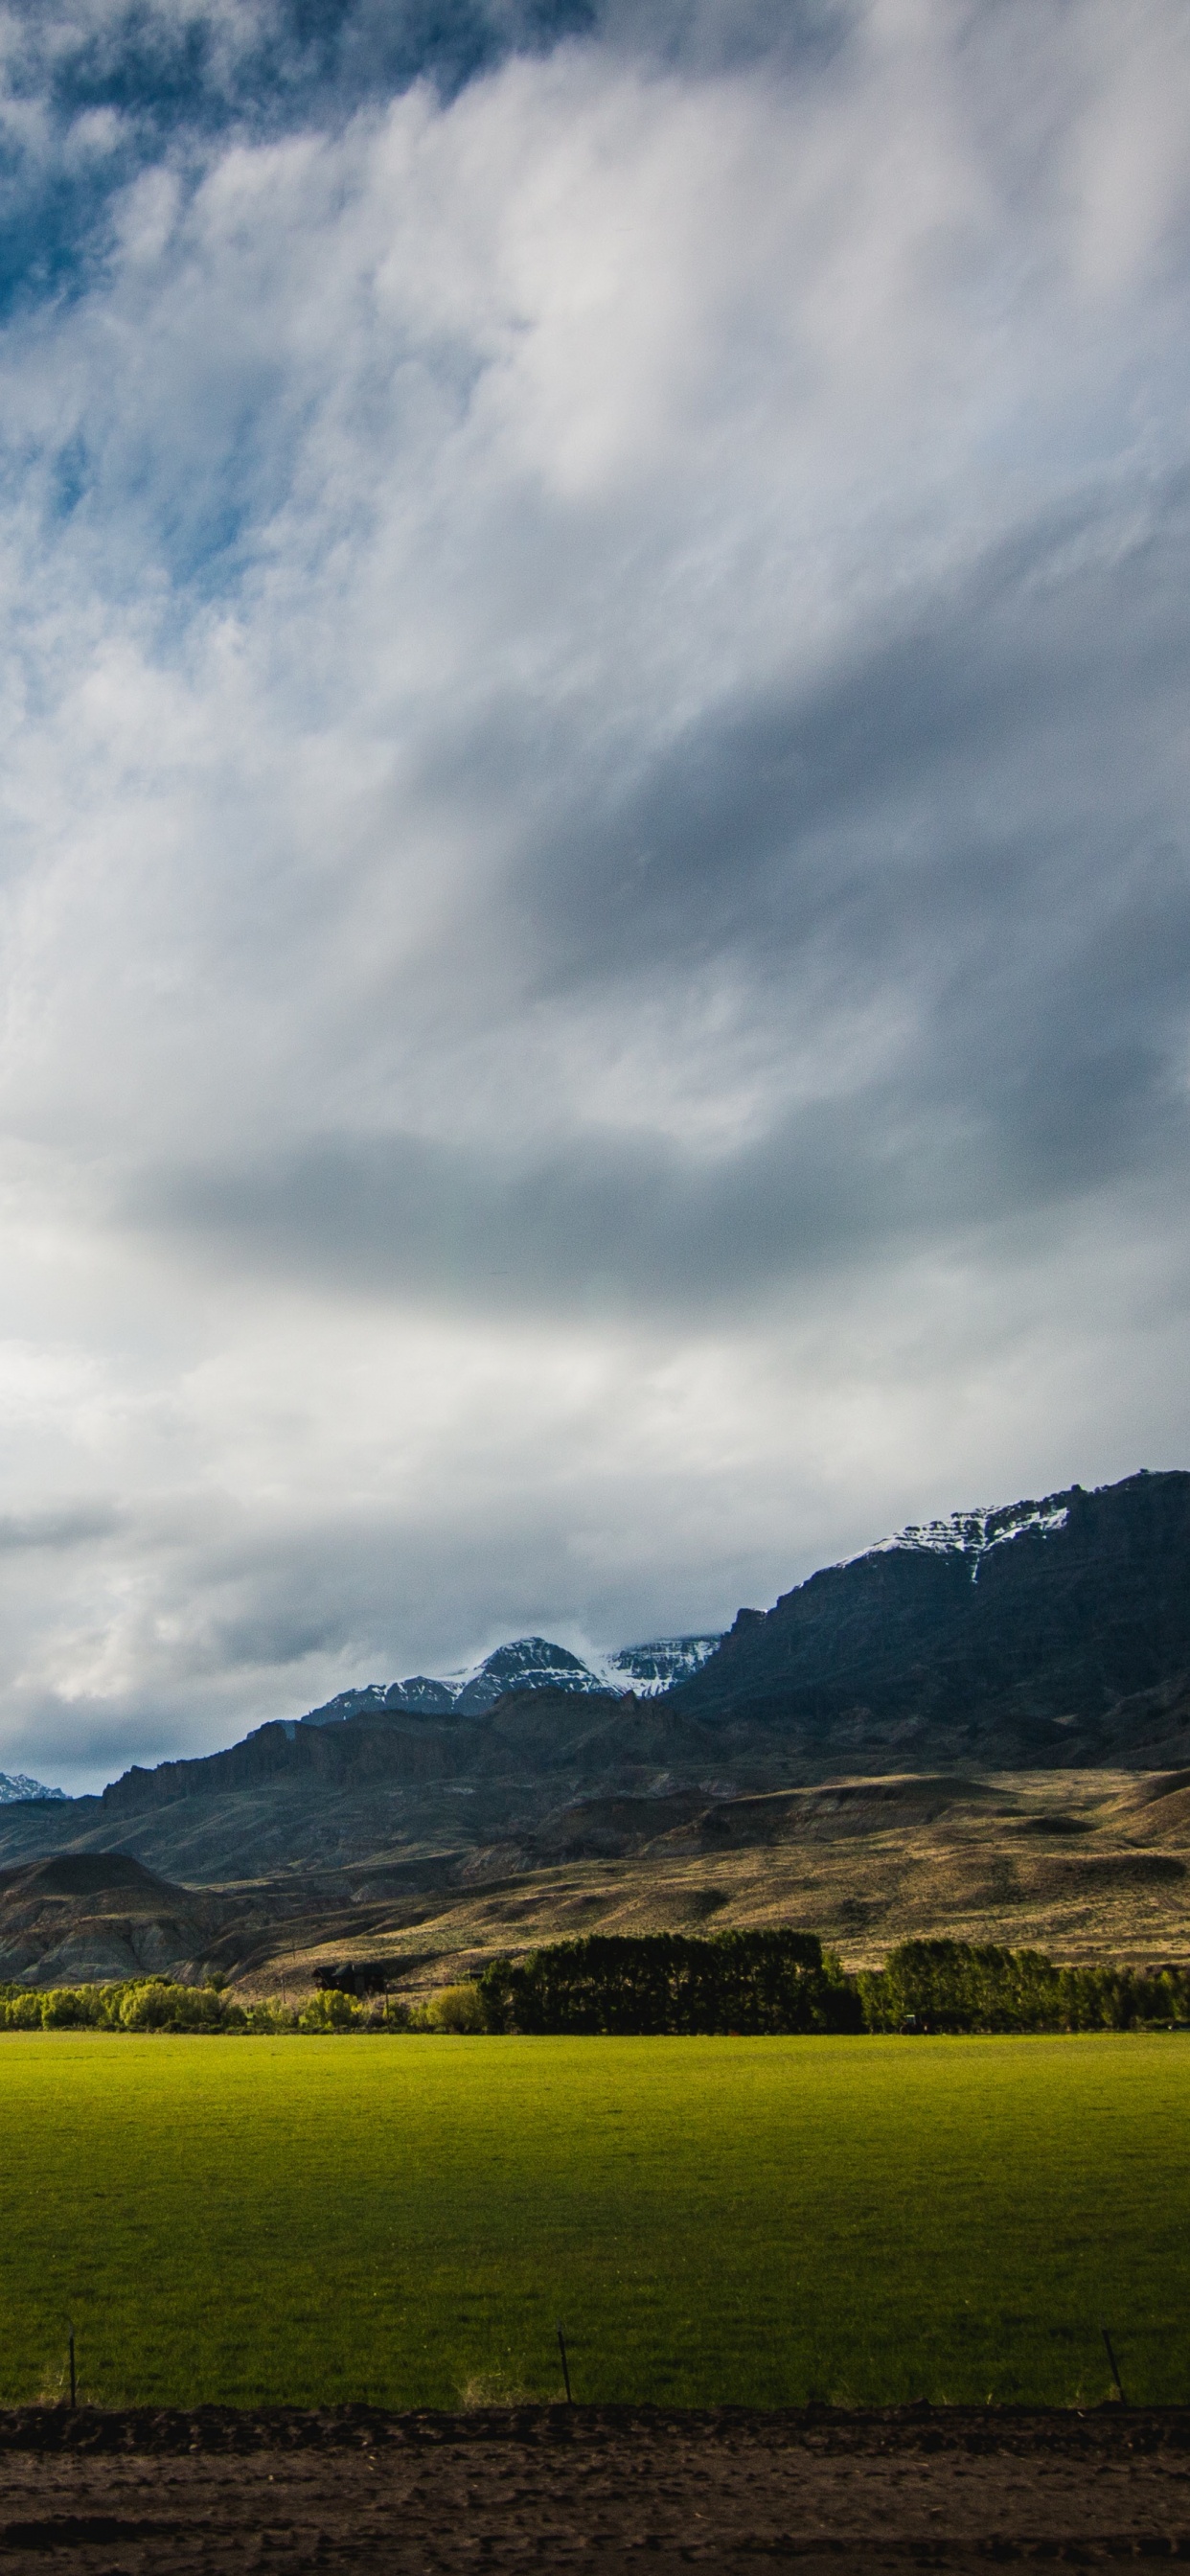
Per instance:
{"type": "Point", "coordinates": [662, 1981]}
{"type": "Point", "coordinates": [963, 1985]}
{"type": "Point", "coordinates": [750, 1982]}
{"type": "Point", "coordinates": [785, 1981]}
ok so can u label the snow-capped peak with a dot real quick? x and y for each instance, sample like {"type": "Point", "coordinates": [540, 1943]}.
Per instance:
{"type": "Point", "coordinates": [16, 1787]}
{"type": "Point", "coordinates": [525, 1663]}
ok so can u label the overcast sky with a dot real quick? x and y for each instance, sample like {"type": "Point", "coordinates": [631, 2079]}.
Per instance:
{"type": "Point", "coordinates": [596, 924]}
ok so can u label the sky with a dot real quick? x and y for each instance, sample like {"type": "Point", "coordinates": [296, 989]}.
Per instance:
{"type": "Point", "coordinates": [594, 637]}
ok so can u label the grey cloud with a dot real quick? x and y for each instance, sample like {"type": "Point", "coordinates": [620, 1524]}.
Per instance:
{"type": "Point", "coordinates": [983, 814]}
{"type": "Point", "coordinates": [602, 1227]}
{"type": "Point", "coordinates": [710, 36]}
{"type": "Point", "coordinates": [597, 1226]}
{"type": "Point", "coordinates": [962, 745]}
{"type": "Point", "coordinates": [67, 1526]}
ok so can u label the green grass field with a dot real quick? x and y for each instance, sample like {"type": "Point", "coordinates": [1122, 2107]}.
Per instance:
{"type": "Point", "coordinates": [756, 2221]}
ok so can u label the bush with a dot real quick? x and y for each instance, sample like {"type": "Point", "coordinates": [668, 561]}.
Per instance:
{"type": "Point", "coordinates": [66, 2008]}
{"type": "Point", "coordinates": [138, 2003]}
{"type": "Point", "coordinates": [386, 2012]}
{"type": "Point", "coordinates": [456, 2008]}
{"type": "Point", "coordinates": [330, 2010]}
{"type": "Point", "coordinates": [24, 2011]}
{"type": "Point", "coordinates": [192, 2008]}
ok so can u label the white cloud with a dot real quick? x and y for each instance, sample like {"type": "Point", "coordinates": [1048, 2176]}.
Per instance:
{"type": "Point", "coordinates": [590, 677]}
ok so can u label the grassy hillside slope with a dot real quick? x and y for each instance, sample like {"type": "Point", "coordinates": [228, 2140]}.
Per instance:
{"type": "Point", "coordinates": [1085, 1864]}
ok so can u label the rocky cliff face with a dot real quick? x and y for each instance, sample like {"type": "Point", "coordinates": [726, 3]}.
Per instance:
{"type": "Point", "coordinates": [1021, 1628]}
{"type": "Point", "coordinates": [649, 1670]}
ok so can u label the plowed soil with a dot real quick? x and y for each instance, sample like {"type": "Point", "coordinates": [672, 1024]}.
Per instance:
{"type": "Point", "coordinates": [578, 2487]}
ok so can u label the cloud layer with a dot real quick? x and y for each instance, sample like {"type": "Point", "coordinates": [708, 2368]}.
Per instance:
{"type": "Point", "coordinates": [596, 918]}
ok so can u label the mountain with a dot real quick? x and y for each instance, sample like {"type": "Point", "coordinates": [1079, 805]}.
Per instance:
{"type": "Point", "coordinates": [1056, 1630]}
{"type": "Point", "coordinates": [1052, 1633]}
{"type": "Point", "coordinates": [527, 1663]}
{"type": "Point", "coordinates": [980, 1725]}
{"type": "Point", "coordinates": [16, 1788]}
{"type": "Point", "coordinates": [1008, 1633]}
{"type": "Point", "coordinates": [410, 1792]}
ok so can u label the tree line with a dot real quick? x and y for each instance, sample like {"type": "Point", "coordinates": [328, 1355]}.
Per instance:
{"type": "Point", "coordinates": [157, 2004]}
{"type": "Point", "coordinates": [137, 2003]}
{"type": "Point", "coordinates": [653, 1984]}
{"type": "Point", "coordinates": [754, 1982]}
{"type": "Point", "coordinates": [964, 1985]}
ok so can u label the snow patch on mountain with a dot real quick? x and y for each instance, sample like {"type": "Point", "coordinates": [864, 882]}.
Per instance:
{"type": "Point", "coordinates": [656, 1666]}
{"type": "Point", "coordinates": [16, 1787]}
{"type": "Point", "coordinates": [974, 1534]}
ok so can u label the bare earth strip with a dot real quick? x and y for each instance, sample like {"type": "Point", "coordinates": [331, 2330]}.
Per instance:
{"type": "Point", "coordinates": [555, 2487]}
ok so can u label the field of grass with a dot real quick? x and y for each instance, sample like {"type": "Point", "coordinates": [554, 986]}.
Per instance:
{"type": "Point", "coordinates": [755, 2221]}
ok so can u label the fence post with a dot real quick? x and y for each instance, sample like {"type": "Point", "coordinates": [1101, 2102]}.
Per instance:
{"type": "Point", "coordinates": [1112, 2360]}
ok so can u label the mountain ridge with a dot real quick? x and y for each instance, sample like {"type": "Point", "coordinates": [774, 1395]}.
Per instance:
{"type": "Point", "coordinates": [982, 1726]}
{"type": "Point", "coordinates": [523, 1663]}
{"type": "Point", "coordinates": [1041, 1613]}
{"type": "Point", "coordinates": [1070, 1648]}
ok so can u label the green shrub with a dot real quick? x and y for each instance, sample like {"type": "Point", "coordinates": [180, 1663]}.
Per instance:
{"type": "Point", "coordinates": [65, 2008]}
{"type": "Point", "coordinates": [329, 2010]}
{"type": "Point", "coordinates": [137, 2003]}
{"type": "Point", "coordinates": [263, 2019]}
{"type": "Point", "coordinates": [24, 2012]}
{"type": "Point", "coordinates": [152, 2005]}
{"type": "Point", "coordinates": [456, 2008]}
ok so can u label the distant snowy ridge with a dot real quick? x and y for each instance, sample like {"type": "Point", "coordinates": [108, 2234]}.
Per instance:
{"type": "Point", "coordinates": [539, 1663]}
{"type": "Point", "coordinates": [974, 1534]}
{"type": "Point", "coordinates": [656, 1667]}
{"type": "Point", "coordinates": [16, 1786]}
{"type": "Point", "coordinates": [526, 1663]}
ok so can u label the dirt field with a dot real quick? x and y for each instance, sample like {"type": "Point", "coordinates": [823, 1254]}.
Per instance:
{"type": "Point", "coordinates": [556, 2487]}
